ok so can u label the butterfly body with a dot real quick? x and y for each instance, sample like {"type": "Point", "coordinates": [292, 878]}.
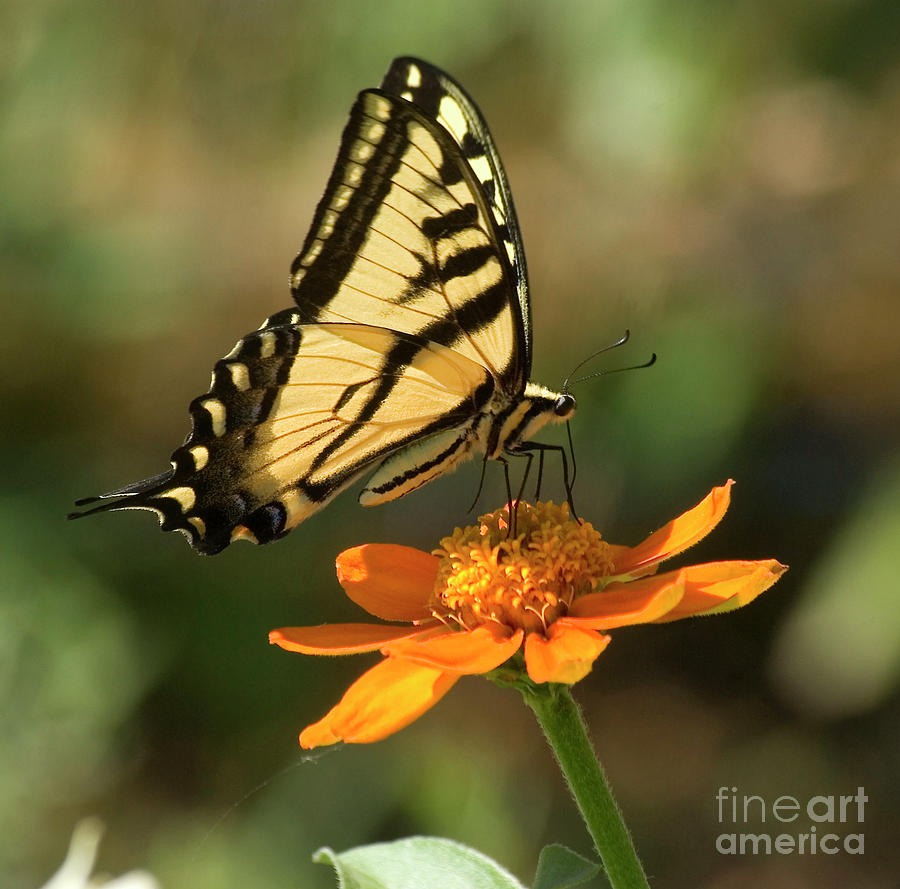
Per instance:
{"type": "Point", "coordinates": [408, 350]}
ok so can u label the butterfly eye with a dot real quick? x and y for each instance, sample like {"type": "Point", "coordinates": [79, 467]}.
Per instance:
{"type": "Point", "coordinates": [565, 406]}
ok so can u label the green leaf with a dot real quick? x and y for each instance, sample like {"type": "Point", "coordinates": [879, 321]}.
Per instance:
{"type": "Point", "coordinates": [561, 868]}
{"type": "Point", "coordinates": [416, 863]}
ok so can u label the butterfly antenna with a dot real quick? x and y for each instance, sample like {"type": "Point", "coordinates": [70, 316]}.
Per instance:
{"type": "Point", "coordinates": [619, 342]}
{"type": "Point", "coordinates": [602, 373]}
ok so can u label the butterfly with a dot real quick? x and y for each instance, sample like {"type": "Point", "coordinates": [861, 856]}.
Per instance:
{"type": "Point", "coordinates": [408, 349]}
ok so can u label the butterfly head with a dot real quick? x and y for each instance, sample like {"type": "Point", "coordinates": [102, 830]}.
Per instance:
{"type": "Point", "coordinates": [564, 406]}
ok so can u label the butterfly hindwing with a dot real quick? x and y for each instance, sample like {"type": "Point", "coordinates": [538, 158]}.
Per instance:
{"type": "Point", "coordinates": [295, 413]}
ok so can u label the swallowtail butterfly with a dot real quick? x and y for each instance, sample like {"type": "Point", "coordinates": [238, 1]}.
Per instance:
{"type": "Point", "coordinates": [408, 349]}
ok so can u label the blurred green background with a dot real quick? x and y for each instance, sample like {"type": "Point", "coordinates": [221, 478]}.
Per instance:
{"type": "Point", "coordinates": [722, 178]}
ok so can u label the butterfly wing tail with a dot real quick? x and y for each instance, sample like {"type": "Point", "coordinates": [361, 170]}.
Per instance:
{"type": "Point", "coordinates": [159, 495]}
{"type": "Point", "coordinates": [118, 499]}
{"type": "Point", "coordinates": [221, 487]}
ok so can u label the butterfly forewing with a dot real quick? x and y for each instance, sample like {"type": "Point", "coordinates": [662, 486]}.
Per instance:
{"type": "Point", "coordinates": [404, 238]}
{"type": "Point", "coordinates": [445, 101]}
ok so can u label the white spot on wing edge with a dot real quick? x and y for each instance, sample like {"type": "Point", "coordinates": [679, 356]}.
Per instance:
{"type": "Point", "coordinates": [482, 168]}
{"type": "Point", "coordinates": [452, 118]}
{"type": "Point", "coordinates": [216, 411]}
{"type": "Point", "coordinates": [184, 496]}
{"type": "Point", "coordinates": [266, 344]}
{"type": "Point", "coordinates": [341, 197]}
{"type": "Point", "coordinates": [362, 151]}
{"type": "Point", "coordinates": [310, 256]}
{"type": "Point", "coordinates": [378, 107]}
{"type": "Point", "coordinates": [241, 532]}
{"type": "Point", "coordinates": [200, 455]}
{"type": "Point", "coordinates": [375, 132]}
{"type": "Point", "coordinates": [198, 523]}
{"type": "Point", "coordinates": [413, 76]}
{"type": "Point", "coordinates": [329, 217]}
{"type": "Point", "coordinates": [240, 376]}
{"type": "Point", "coordinates": [352, 175]}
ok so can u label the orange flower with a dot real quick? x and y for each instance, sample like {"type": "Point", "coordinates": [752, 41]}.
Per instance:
{"type": "Point", "coordinates": [481, 598]}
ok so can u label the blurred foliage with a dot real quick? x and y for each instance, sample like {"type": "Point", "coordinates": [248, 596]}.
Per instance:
{"type": "Point", "coordinates": [722, 178]}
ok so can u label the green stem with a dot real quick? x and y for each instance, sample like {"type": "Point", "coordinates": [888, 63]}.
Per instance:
{"type": "Point", "coordinates": [562, 722]}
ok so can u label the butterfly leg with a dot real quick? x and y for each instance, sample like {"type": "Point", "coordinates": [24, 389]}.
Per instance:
{"type": "Point", "coordinates": [480, 483]}
{"type": "Point", "coordinates": [530, 458]}
{"type": "Point", "coordinates": [512, 505]}
{"type": "Point", "coordinates": [510, 512]}
{"type": "Point", "coordinates": [510, 500]}
{"type": "Point", "coordinates": [572, 452]}
{"type": "Point", "coordinates": [537, 489]}
{"type": "Point", "coordinates": [567, 480]}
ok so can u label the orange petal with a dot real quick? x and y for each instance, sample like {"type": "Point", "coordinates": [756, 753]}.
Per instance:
{"type": "Point", "coordinates": [566, 655]}
{"type": "Point", "coordinates": [382, 701]}
{"type": "Point", "coordinates": [722, 586]}
{"type": "Point", "coordinates": [617, 553]}
{"type": "Point", "coordinates": [390, 581]}
{"type": "Point", "coordinates": [470, 651]}
{"type": "Point", "coordinates": [339, 638]}
{"type": "Point", "coordinates": [623, 604]}
{"type": "Point", "coordinates": [677, 535]}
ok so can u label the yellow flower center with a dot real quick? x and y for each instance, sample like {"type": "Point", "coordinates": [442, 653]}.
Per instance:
{"type": "Point", "coordinates": [526, 582]}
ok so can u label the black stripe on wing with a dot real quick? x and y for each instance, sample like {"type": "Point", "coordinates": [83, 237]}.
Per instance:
{"type": "Point", "coordinates": [322, 277]}
{"type": "Point", "coordinates": [427, 86]}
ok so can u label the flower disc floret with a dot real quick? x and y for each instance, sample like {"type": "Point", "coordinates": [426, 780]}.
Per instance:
{"type": "Point", "coordinates": [526, 582]}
